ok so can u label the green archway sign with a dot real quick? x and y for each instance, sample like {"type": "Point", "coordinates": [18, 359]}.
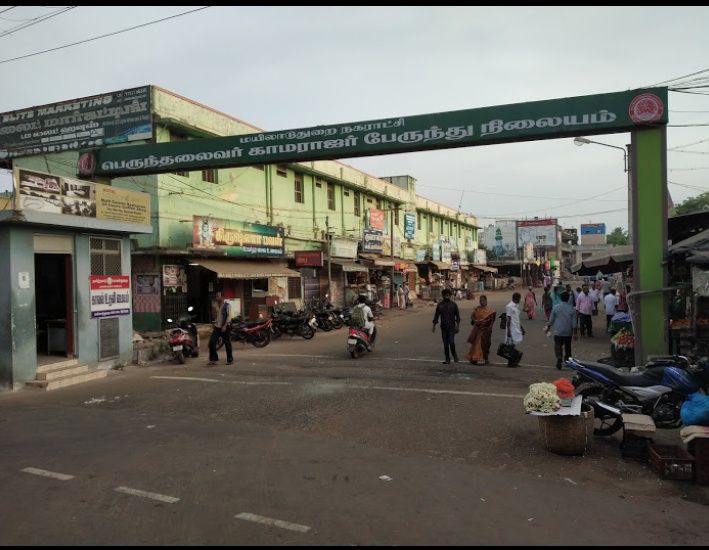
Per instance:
{"type": "Point", "coordinates": [642, 112]}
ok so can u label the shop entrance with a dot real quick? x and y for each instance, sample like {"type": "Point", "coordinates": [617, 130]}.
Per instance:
{"type": "Point", "coordinates": [53, 307]}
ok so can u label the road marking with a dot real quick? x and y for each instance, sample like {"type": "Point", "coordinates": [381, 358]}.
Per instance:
{"type": "Point", "coordinates": [451, 392]}
{"type": "Point", "coordinates": [195, 379]}
{"type": "Point", "coordinates": [47, 473]}
{"type": "Point", "coordinates": [275, 522]}
{"type": "Point", "coordinates": [146, 494]}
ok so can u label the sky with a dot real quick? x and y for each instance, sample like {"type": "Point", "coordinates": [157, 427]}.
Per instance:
{"type": "Point", "coordinates": [284, 67]}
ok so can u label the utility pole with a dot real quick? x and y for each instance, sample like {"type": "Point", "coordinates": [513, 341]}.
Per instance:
{"type": "Point", "coordinates": [391, 229]}
{"type": "Point", "coordinates": [329, 264]}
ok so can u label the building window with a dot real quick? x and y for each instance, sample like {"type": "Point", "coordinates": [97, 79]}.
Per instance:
{"type": "Point", "coordinates": [369, 201]}
{"type": "Point", "coordinates": [209, 175]}
{"type": "Point", "coordinates": [298, 186]}
{"type": "Point", "coordinates": [294, 288]}
{"type": "Point", "coordinates": [105, 256]}
{"type": "Point", "coordinates": [379, 204]}
{"type": "Point", "coordinates": [175, 136]}
{"type": "Point", "coordinates": [260, 166]}
{"type": "Point", "coordinates": [396, 217]}
{"type": "Point", "coordinates": [418, 220]}
{"type": "Point", "coordinates": [357, 211]}
{"type": "Point", "coordinates": [331, 196]}
{"type": "Point", "coordinates": [259, 287]}
{"type": "Point", "coordinates": [281, 170]}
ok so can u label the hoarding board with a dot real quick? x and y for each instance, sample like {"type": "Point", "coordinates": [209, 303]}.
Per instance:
{"type": "Point", "coordinates": [541, 232]}
{"type": "Point", "coordinates": [237, 238]}
{"type": "Point", "coordinates": [593, 229]}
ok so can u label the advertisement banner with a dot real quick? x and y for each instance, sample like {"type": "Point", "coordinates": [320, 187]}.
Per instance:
{"type": "Point", "coordinates": [480, 256]}
{"type": "Point", "coordinates": [237, 238]}
{"type": "Point", "coordinates": [147, 283]}
{"type": "Point", "coordinates": [308, 258]}
{"type": "Point", "coordinates": [373, 241]}
{"type": "Point", "coordinates": [538, 232]}
{"type": "Point", "coordinates": [343, 248]}
{"type": "Point", "coordinates": [110, 295]}
{"type": "Point", "coordinates": [436, 251]}
{"type": "Point", "coordinates": [72, 197]}
{"type": "Point", "coordinates": [445, 249]}
{"type": "Point", "coordinates": [376, 219]}
{"type": "Point", "coordinates": [174, 277]}
{"type": "Point", "coordinates": [386, 251]}
{"type": "Point", "coordinates": [501, 239]}
{"type": "Point", "coordinates": [593, 229]}
{"type": "Point", "coordinates": [546, 119]}
{"type": "Point", "coordinates": [103, 119]}
{"type": "Point", "coordinates": [409, 226]}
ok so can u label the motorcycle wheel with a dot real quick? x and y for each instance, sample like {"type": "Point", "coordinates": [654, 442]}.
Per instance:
{"type": "Point", "coordinates": [326, 325]}
{"type": "Point", "coordinates": [307, 332]}
{"type": "Point", "coordinates": [180, 357]}
{"type": "Point", "coordinates": [275, 332]}
{"type": "Point", "coordinates": [604, 423]}
{"type": "Point", "coordinates": [354, 351]}
{"type": "Point", "coordinates": [337, 323]}
{"type": "Point", "coordinates": [261, 339]}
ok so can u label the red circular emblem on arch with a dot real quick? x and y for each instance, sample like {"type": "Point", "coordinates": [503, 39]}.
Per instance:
{"type": "Point", "coordinates": [646, 108]}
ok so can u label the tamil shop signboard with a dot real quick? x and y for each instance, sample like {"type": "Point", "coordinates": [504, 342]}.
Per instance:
{"type": "Point", "coordinates": [534, 120]}
{"type": "Point", "coordinates": [409, 226]}
{"type": "Point", "coordinates": [103, 119]}
{"type": "Point", "coordinates": [110, 295]}
{"type": "Point", "coordinates": [308, 258]}
{"type": "Point", "coordinates": [593, 229]}
{"type": "Point", "coordinates": [51, 194]}
{"type": "Point", "coordinates": [237, 238]}
{"type": "Point", "coordinates": [373, 241]}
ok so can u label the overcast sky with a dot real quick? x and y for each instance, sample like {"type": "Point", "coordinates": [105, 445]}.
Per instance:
{"type": "Point", "coordinates": [290, 67]}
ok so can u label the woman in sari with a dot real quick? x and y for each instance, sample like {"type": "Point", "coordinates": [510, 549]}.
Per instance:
{"type": "Point", "coordinates": [530, 303]}
{"type": "Point", "coordinates": [480, 338]}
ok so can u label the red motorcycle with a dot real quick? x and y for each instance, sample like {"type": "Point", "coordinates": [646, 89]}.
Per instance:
{"type": "Point", "coordinates": [257, 333]}
{"type": "Point", "coordinates": [358, 341]}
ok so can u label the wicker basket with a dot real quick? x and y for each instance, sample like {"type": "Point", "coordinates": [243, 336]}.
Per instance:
{"type": "Point", "coordinates": [568, 435]}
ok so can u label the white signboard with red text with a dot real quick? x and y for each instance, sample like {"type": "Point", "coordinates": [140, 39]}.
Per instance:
{"type": "Point", "coordinates": [110, 295]}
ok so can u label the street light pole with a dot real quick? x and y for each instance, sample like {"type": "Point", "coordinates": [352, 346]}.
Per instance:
{"type": "Point", "coordinates": [626, 168]}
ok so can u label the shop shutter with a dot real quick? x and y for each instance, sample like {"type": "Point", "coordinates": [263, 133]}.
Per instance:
{"type": "Point", "coordinates": [108, 338]}
{"type": "Point", "coordinates": [106, 260]}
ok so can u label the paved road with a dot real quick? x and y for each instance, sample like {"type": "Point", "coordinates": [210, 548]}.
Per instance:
{"type": "Point", "coordinates": [299, 444]}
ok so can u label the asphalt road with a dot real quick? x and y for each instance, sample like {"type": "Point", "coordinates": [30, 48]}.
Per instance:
{"type": "Point", "coordinates": [299, 444]}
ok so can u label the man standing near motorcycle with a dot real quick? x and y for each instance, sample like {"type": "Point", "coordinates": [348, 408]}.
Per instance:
{"type": "Point", "coordinates": [221, 328]}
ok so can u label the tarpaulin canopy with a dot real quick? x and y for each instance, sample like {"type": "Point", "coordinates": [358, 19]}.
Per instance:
{"type": "Point", "coordinates": [610, 261]}
{"type": "Point", "coordinates": [246, 269]}
{"type": "Point", "coordinates": [696, 248]}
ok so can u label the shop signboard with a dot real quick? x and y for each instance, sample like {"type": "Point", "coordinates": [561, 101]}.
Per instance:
{"type": "Point", "coordinates": [445, 249]}
{"type": "Point", "coordinates": [387, 245]}
{"type": "Point", "coordinates": [541, 232]}
{"type": "Point", "coordinates": [420, 255]}
{"type": "Point", "coordinates": [479, 256]}
{"type": "Point", "coordinates": [237, 238]}
{"type": "Point", "coordinates": [110, 295]}
{"type": "Point", "coordinates": [114, 117]}
{"type": "Point", "coordinates": [376, 219]}
{"type": "Point", "coordinates": [501, 239]}
{"type": "Point", "coordinates": [43, 192]}
{"type": "Point", "coordinates": [593, 229]}
{"type": "Point", "coordinates": [373, 241]}
{"type": "Point", "coordinates": [409, 226]}
{"type": "Point", "coordinates": [343, 248]}
{"type": "Point", "coordinates": [308, 258]}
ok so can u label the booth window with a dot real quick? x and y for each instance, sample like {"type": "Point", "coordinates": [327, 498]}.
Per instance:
{"type": "Point", "coordinates": [105, 256]}
{"type": "Point", "coordinates": [259, 287]}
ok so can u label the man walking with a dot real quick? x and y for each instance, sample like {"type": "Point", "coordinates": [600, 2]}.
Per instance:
{"type": "Point", "coordinates": [515, 331]}
{"type": "Point", "coordinates": [562, 324]}
{"type": "Point", "coordinates": [584, 306]}
{"type": "Point", "coordinates": [447, 311]}
{"type": "Point", "coordinates": [610, 301]}
{"type": "Point", "coordinates": [221, 328]}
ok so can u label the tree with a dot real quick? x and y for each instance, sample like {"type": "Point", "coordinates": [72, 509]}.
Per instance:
{"type": "Point", "coordinates": [693, 204]}
{"type": "Point", "coordinates": [617, 237]}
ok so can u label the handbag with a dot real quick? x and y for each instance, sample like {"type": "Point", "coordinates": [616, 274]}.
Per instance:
{"type": "Point", "coordinates": [509, 351]}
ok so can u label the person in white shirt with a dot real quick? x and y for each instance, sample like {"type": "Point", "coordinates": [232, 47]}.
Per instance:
{"type": "Point", "coordinates": [611, 303]}
{"type": "Point", "coordinates": [593, 292]}
{"type": "Point", "coordinates": [515, 332]}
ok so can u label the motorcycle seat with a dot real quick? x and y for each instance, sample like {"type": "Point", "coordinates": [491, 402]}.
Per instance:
{"type": "Point", "coordinates": [650, 377]}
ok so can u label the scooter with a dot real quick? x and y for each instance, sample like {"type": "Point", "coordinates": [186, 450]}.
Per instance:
{"type": "Point", "coordinates": [184, 338]}
{"type": "Point", "coordinates": [358, 341]}
{"type": "Point", "coordinates": [657, 391]}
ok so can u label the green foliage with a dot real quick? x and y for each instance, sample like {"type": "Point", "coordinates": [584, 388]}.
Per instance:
{"type": "Point", "coordinates": [693, 204]}
{"type": "Point", "coordinates": [617, 237]}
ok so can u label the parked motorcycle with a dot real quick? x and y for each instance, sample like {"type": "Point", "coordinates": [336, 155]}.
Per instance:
{"type": "Point", "coordinates": [300, 324]}
{"type": "Point", "coordinates": [184, 338]}
{"type": "Point", "coordinates": [657, 391]}
{"type": "Point", "coordinates": [257, 333]}
{"type": "Point", "coordinates": [358, 341]}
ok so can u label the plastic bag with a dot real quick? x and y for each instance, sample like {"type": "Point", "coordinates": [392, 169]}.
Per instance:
{"type": "Point", "coordinates": [695, 410]}
{"type": "Point", "coordinates": [564, 388]}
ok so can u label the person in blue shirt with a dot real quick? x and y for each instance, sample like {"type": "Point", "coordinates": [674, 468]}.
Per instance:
{"type": "Point", "coordinates": [563, 323]}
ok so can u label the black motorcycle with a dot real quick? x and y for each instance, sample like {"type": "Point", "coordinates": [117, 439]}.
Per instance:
{"type": "Point", "coordinates": [298, 324]}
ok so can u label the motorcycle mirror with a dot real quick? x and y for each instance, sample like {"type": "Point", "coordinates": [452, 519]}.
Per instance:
{"type": "Point", "coordinates": [190, 308]}
{"type": "Point", "coordinates": [169, 320]}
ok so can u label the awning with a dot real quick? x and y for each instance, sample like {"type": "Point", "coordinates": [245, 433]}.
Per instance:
{"type": "Point", "coordinates": [484, 268]}
{"type": "Point", "coordinates": [610, 261]}
{"type": "Point", "coordinates": [246, 269]}
{"type": "Point", "coordinates": [441, 265]}
{"type": "Point", "coordinates": [377, 260]}
{"type": "Point", "coordinates": [350, 267]}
